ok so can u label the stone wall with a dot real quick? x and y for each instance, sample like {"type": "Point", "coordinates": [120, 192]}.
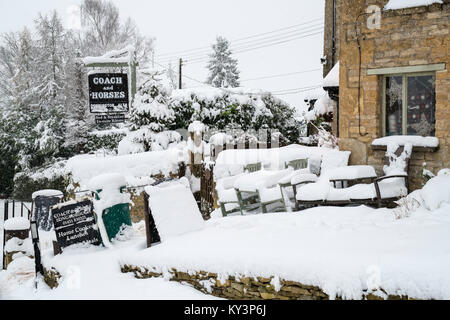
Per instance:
{"type": "Point", "coordinates": [248, 288]}
{"type": "Point", "coordinates": [408, 37]}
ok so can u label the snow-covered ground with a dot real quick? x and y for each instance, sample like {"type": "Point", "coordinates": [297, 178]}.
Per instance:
{"type": "Point", "coordinates": [337, 249]}
{"type": "Point", "coordinates": [345, 251]}
{"type": "Point", "coordinates": [91, 274]}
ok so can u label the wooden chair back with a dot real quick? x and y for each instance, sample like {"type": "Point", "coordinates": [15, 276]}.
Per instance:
{"type": "Point", "coordinates": [253, 167]}
{"type": "Point", "coordinates": [297, 164]}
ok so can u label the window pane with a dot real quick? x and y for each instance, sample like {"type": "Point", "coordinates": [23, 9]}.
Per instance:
{"type": "Point", "coordinates": [394, 104]}
{"type": "Point", "coordinates": [421, 106]}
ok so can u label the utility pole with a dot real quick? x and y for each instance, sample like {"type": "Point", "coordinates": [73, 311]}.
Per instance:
{"type": "Point", "coordinates": [180, 75]}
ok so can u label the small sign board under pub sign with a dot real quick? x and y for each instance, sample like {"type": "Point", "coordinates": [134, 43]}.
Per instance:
{"type": "Point", "coordinates": [108, 92]}
{"type": "Point", "coordinates": [110, 118]}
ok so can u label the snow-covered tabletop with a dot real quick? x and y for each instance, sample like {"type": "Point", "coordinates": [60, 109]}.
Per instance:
{"type": "Point", "coordinates": [254, 181]}
{"type": "Point", "coordinates": [351, 173]}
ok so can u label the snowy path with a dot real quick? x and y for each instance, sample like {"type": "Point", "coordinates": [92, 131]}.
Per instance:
{"type": "Point", "coordinates": [92, 274]}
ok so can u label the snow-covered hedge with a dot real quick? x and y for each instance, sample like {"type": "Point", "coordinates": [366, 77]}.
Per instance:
{"type": "Point", "coordinates": [105, 140]}
{"type": "Point", "coordinates": [50, 177]}
{"type": "Point", "coordinates": [233, 108]}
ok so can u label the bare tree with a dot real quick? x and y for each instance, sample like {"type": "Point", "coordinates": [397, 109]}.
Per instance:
{"type": "Point", "coordinates": [103, 31]}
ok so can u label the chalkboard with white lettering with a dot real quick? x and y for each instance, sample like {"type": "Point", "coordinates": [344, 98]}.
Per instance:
{"type": "Point", "coordinates": [74, 223]}
{"type": "Point", "coordinates": [108, 92]}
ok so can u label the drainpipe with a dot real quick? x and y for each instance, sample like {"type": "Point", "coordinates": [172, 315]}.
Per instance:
{"type": "Point", "coordinates": [333, 39]}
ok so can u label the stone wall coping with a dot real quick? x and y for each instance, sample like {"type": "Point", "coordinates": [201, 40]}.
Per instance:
{"type": "Point", "coordinates": [415, 149]}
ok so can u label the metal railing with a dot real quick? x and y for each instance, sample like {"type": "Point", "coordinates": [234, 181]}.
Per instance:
{"type": "Point", "coordinates": [9, 211]}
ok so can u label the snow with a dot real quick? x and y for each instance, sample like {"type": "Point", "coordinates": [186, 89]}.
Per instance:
{"type": "Point", "coordinates": [351, 172]}
{"type": "Point", "coordinates": [401, 4]}
{"type": "Point", "coordinates": [332, 78]}
{"type": "Point", "coordinates": [47, 193]}
{"type": "Point", "coordinates": [197, 127]}
{"type": "Point", "coordinates": [322, 106]}
{"type": "Point", "coordinates": [416, 141]}
{"type": "Point", "coordinates": [232, 162]}
{"type": "Point", "coordinates": [112, 56]}
{"type": "Point", "coordinates": [14, 224]}
{"type": "Point", "coordinates": [436, 193]}
{"type": "Point", "coordinates": [136, 168]}
{"type": "Point", "coordinates": [19, 245]}
{"type": "Point", "coordinates": [219, 139]}
{"type": "Point", "coordinates": [91, 273]}
{"type": "Point", "coordinates": [107, 180]}
{"type": "Point", "coordinates": [260, 180]}
{"type": "Point", "coordinates": [389, 188]}
{"type": "Point", "coordinates": [411, 254]}
{"type": "Point", "coordinates": [174, 209]}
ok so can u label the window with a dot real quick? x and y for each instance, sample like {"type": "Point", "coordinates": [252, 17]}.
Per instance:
{"type": "Point", "coordinates": [409, 104]}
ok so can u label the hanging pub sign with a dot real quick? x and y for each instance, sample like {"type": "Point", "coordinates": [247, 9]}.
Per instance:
{"type": "Point", "coordinates": [108, 93]}
{"type": "Point", "coordinates": [74, 223]}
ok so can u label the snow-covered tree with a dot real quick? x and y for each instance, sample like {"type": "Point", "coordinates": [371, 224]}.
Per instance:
{"type": "Point", "coordinates": [51, 59]}
{"type": "Point", "coordinates": [77, 127]}
{"type": "Point", "coordinates": [151, 116]}
{"type": "Point", "coordinates": [223, 68]}
{"type": "Point", "coordinates": [103, 31]}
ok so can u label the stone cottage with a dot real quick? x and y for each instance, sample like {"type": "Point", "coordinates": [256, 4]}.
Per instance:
{"type": "Point", "coordinates": [393, 77]}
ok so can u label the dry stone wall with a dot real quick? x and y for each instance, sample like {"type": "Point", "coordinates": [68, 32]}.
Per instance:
{"type": "Point", "coordinates": [247, 288]}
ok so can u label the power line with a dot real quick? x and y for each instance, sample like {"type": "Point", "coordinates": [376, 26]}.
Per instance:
{"type": "Point", "coordinates": [237, 46]}
{"type": "Point", "coordinates": [240, 39]}
{"type": "Point", "coordinates": [247, 45]}
{"type": "Point", "coordinates": [274, 93]}
{"type": "Point", "coordinates": [281, 75]}
{"type": "Point", "coordinates": [259, 47]}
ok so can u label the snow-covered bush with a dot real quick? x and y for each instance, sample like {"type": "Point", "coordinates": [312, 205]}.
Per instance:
{"type": "Point", "coordinates": [105, 140]}
{"type": "Point", "coordinates": [434, 195]}
{"type": "Point", "coordinates": [226, 110]}
{"type": "Point", "coordinates": [50, 177]}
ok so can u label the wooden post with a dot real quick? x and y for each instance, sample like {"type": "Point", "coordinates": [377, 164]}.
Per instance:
{"type": "Point", "coordinates": [180, 75]}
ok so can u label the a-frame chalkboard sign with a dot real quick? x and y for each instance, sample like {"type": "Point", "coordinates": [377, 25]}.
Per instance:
{"type": "Point", "coordinates": [74, 223]}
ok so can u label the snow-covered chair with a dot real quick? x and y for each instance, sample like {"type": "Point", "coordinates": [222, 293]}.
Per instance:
{"type": "Point", "coordinates": [229, 199]}
{"type": "Point", "coordinates": [384, 191]}
{"type": "Point", "coordinates": [264, 186]}
{"type": "Point", "coordinates": [302, 174]}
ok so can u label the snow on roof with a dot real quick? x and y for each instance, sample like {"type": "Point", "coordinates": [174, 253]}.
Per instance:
{"type": "Point", "coordinates": [415, 141]}
{"type": "Point", "coordinates": [314, 94]}
{"type": "Point", "coordinates": [402, 4]}
{"type": "Point", "coordinates": [115, 56]}
{"type": "Point", "coordinates": [332, 78]}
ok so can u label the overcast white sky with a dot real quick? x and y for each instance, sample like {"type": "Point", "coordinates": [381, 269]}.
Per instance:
{"type": "Point", "coordinates": [188, 24]}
